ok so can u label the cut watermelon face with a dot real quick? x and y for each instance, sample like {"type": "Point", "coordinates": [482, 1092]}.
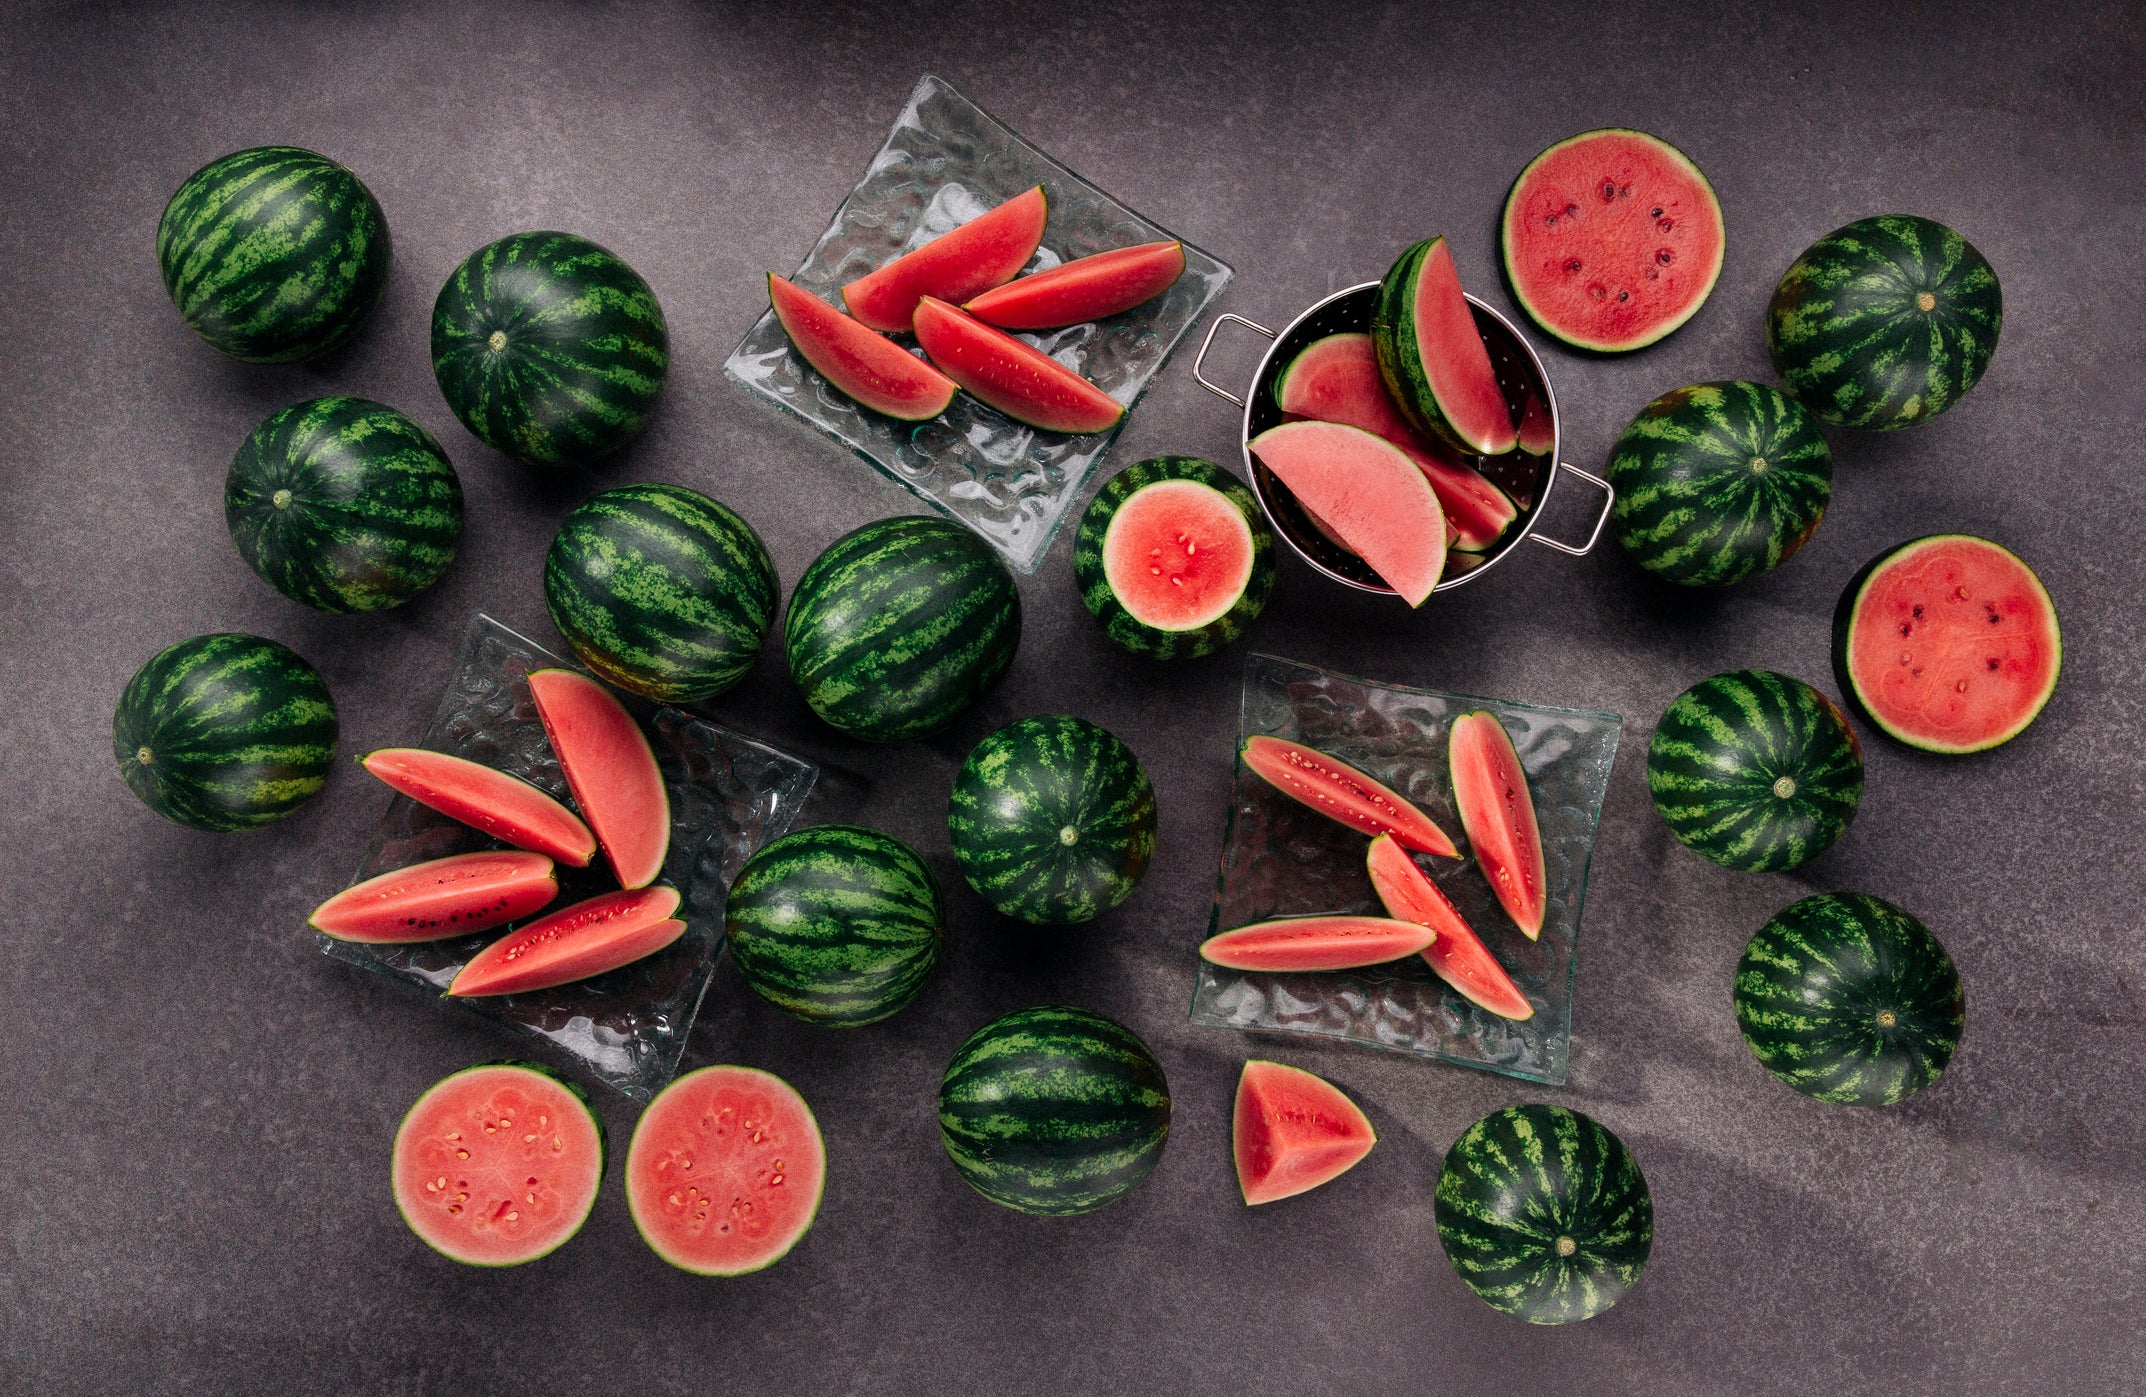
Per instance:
{"type": "Point", "coordinates": [1458, 955]}
{"type": "Point", "coordinates": [1085, 289]}
{"type": "Point", "coordinates": [573, 943]}
{"type": "Point", "coordinates": [1490, 789]}
{"type": "Point", "coordinates": [1341, 792]}
{"type": "Point", "coordinates": [442, 897]}
{"type": "Point", "coordinates": [1948, 643]}
{"type": "Point", "coordinates": [957, 266]}
{"type": "Point", "coordinates": [1433, 359]}
{"type": "Point", "coordinates": [1012, 375]}
{"type": "Point", "coordinates": [1178, 555]}
{"type": "Point", "coordinates": [861, 363]}
{"type": "Point", "coordinates": [1367, 491]}
{"type": "Point", "coordinates": [725, 1171]}
{"type": "Point", "coordinates": [1292, 1132]}
{"type": "Point", "coordinates": [1612, 239]}
{"type": "Point", "coordinates": [505, 807]}
{"type": "Point", "coordinates": [1316, 943]}
{"type": "Point", "coordinates": [610, 768]}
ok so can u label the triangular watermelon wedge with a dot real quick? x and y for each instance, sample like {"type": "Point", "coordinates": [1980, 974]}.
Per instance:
{"type": "Point", "coordinates": [987, 251]}
{"type": "Point", "coordinates": [1369, 493]}
{"type": "Point", "coordinates": [859, 362]}
{"type": "Point", "coordinates": [611, 770]}
{"type": "Point", "coordinates": [1458, 955]}
{"type": "Point", "coordinates": [1292, 1132]}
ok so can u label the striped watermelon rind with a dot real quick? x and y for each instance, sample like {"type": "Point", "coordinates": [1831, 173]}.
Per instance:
{"type": "Point", "coordinates": [1093, 580]}
{"type": "Point", "coordinates": [659, 589]}
{"type": "Point", "coordinates": [1054, 1110]}
{"type": "Point", "coordinates": [274, 254]}
{"type": "Point", "coordinates": [225, 732]}
{"type": "Point", "coordinates": [1849, 999]}
{"type": "Point", "coordinates": [1755, 770]}
{"type": "Point", "coordinates": [836, 924]}
{"type": "Point", "coordinates": [1718, 482]}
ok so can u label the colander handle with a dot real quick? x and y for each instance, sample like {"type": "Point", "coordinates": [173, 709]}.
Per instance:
{"type": "Point", "coordinates": [1609, 499]}
{"type": "Point", "coordinates": [1200, 359]}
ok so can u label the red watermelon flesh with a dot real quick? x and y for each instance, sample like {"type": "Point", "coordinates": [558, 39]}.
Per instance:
{"type": "Point", "coordinates": [1316, 943]}
{"type": "Point", "coordinates": [956, 266]}
{"type": "Point", "coordinates": [1458, 955]}
{"type": "Point", "coordinates": [1339, 791]}
{"type": "Point", "coordinates": [1087, 288]}
{"type": "Point", "coordinates": [611, 770]}
{"type": "Point", "coordinates": [860, 362]}
{"type": "Point", "coordinates": [505, 807]}
{"type": "Point", "coordinates": [441, 897]}
{"type": "Point", "coordinates": [1012, 375]}
{"type": "Point", "coordinates": [1490, 789]}
{"type": "Point", "coordinates": [725, 1171]}
{"type": "Point", "coordinates": [1177, 555]}
{"type": "Point", "coordinates": [588, 938]}
{"type": "Point", "coordinates": [1369, 493]}
{"type": "Point", "coordinates": [1292, 1132]}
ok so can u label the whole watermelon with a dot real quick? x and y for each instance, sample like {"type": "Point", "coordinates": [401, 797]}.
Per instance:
{"type": "Point", "coordinates": [343, 505]}
{"type": "Point", "coordinates": [549, 348]}
{"type": "Point", "coordinates": [274, 254]}
{"type": "Point", "coordinates": [661, 590]}
{"type": "Point", "coordinates": [1093, 578]}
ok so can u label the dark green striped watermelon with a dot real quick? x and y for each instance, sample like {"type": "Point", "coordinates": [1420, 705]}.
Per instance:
{"type": "Point", "coordinates": [661, 590]}
{"type": "Point", "coordinates": [344, 505]}
{"type": "Point", "coordinates": [901, 625]}
{"type": "Point", "coordinates": [1849, 999]}
{"type": "Point", "coordinates": [1054, 1110]}
{"type": "Point", "coordinates": [836, 924]}
{"type": "Point", "coordinates": [274, 254]}
{"type": "Point", "coordinates": [1886, 322]}
{"type": "Point", "coordinates": [1755, 770]}
{"type": "Point", "coordinates": [549, 348]}
{"type": "Point", "coordinates": [1052, 820]}
{"type": "Point", "coordinates": [225, 732]}
{"type": "Point", "coordinates": [1544, 1214]}
{"type": "Point", "coordinates": [1091, 574]}
{"type": "Point", "coordinates": [1719, 481]}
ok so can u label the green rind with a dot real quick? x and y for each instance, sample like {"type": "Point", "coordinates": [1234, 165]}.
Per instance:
{"type": "Point", "coordinates": [1093, 582]}
{"type": "Point", "coordinates": [1400, 359]}
{"type": "Point", "coordinates": [837, 924]}
{"type": "Point", "coordinates": [1721, 752]}
{"type": "Point", "coordinates": [584, 357]}
{"type": "Point", "coordinates": [1017, 795]}
{"type": "Point", "coordinates": [901, 625]}
{"type": "Point", "coordinates": [274, 254]}
{"type": "Point", "coordinates": [661, 590]}
{"type": "Point", "coordinates": [1814, 981]}
{"type": "Point", "coordinates": [1054, 1111]}
{"type": "Point", "coordinates": [343, 505]}
{"type": "Point", "coordinates": [1851, 339]}
{"type": "Point", "coordinates": [1718, 482]}
{"type": "Point", "coordinates": [238, 731]}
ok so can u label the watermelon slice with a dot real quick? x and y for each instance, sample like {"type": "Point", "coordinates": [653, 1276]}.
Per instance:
{"type": "Point", "coordinates": [1490, 789]}
{"type": "Point", "coordinates": [505, 807]}
{"type": "Point", "coordinates": [610, 769]}
{"type": "Point", "coordinates": [1087, 288]}
{"type": "Point", "coordinates": [1341, 792]}
{"type": "Point", "coordinates": [442, 897]}
{"type": "Point", "coordinates": [1458, 955]}
{"type": "Point", "coordinates": [573, 943]}
{"type": "Point", "coordinates": [1316, 943]}
{"type": "Point", "coordinates": [1292, 1132]}
{"type": "Point", "coordinates": [1178, 555]}
{"type": "Point", "coordinates": [1369, 493]}
{"type": "Point", "coordinates": [956, 266]}
{"type": "Point", "coordinates": [725, 1171]}
{"type": "Point", "coordinates": [861, 363]}
{"type": "Point", "coordinates": [1432, 357]}
{"type": "Point", "coordinates": [1011, 375]}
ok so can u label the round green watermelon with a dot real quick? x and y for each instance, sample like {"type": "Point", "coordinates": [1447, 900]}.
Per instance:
{"type": "Point", "coordinates": [224, 732]}
{"type": "Point", "coordinates": [1052, 820]}
{"type": "Point", "coordinates": [1718, 482]}
{"type": "Point", "coordinates": [344, 505]}
{"type": "Point", "coordinates": [1054, 1110]}
{"type": "Point", "coordinates": [1755, 770]}
{"type": "Point", "coordinates": [1129, 518]}
{"type": "Point", "coordinates": [274, 254]}
{"type": "Point", "coordinates": [1544, 1214]}
{"type": "Point", "coordinates": [836, 924]}
{"type": "Point", "coordinates": [661, 590]}
{"type": "Point", "coordinates": [549, 348]}
{"type": "Point", "coordinates": [1849, 999]}
{"type": "Point", "coordinates": [901, 625]}
{"type": "Point", "coordinates": [1886, 322]}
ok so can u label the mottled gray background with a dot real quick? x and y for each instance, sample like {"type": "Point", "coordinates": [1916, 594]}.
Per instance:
{"type": "Point", "coordinates": [198, 1104]}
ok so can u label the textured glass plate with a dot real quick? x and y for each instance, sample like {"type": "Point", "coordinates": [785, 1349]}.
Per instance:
{"type": "Point", "coordinates": [944, 163]}
{"type": "Point", "coordinates": [1280, 859]}
{"type": "Point", "coordinates": [729, 795]}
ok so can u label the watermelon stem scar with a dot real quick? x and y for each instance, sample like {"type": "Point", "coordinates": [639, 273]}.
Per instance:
{"type": "Point", "coordinates": [497, 342]}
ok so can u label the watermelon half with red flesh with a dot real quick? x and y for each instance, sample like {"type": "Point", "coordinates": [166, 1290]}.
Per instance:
{"type": "Point", "coordinates": [861, 363]}
{"type": "Point", "coordinates": [453, 896]}
{"type": "Point", "coordinates": [498, 1164]}
{"type": "Point", "coordinates": [725, 1171]}
{"type": "Point", "coordinates": [1369, 493]}
{"type": "Point", "coordinates": [1084, 289]}
{"type": "Point", "coordinates": [1948, 643]}
{"type": "Point", "coordinates": [1458, 956]}
{"type": "Point", "coordinates": [611, 770]}
{"type": "Point", "coordinates": [1178, 555]}
{"type": "Point", "coordinates": [1335, 789]}
{"type": "Point", "coordinates": [1490, 789]}
{"type": "Point", "coordinates": [1612, 239]}
{"type": "Point", "coordinates": [574, 943]}
{"type": "Point", "coordinates": [1316, 943]}
{"type": "Point", "coordinates": [1292, 1131]}
{"type": "Point", "coordinates": [1012, 375]}
{"type": "Point", "coordinates": [957, 266]}
{"type": "Point", "coordinates": [505, 807]}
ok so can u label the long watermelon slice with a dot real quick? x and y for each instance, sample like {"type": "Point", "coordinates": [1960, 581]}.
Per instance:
{"type": "Point", "coordinates": [860, 362]}
{"type": "Point", "coordinates": [611, 770]}
{"type": "Point", "coordinates": [588, 938]}
{"type": "Point", "coordinates": [1316, 943]}
{"type": "Point", "coordinates": [725, 1171]}
{"type": "Point", "coordinates": [1458, 955]}
{"type": "Point", "coordinates": [1339, 791]}
{"type": "Point", "coordinates": [1087, 288]}
{"type": "Point", "coordinates": [957, 266]}
{"type": "Point", "coordinates": [505, 807]}
{"type": "Point", "coordinates": [1490, 789]}
{"type": "Point", "coordinates": [1292, 1132]}
{"type": "Point", "coordinates": [1011, 375]}
{"type": "Point", "coordinates": [441, 897]}
{"type": "Point", "coordinates": [1433, 358]}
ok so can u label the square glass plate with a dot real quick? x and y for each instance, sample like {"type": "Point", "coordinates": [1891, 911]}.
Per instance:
{"type": "Point", "coordinates": [729, 795]}
{"type": "Point", "coordinates": [1281, 859]}
{"type": "Point", "coordinates": [945, 162]}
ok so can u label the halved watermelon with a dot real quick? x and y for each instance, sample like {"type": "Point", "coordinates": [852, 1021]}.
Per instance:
{"type": "Point", "coordinates": [860, 362]}
{"type": "Point", "coordinates": [1458, 955]}
{"type": "Point", "coordinates": [1011, 375]}
{"type": "Point", "coordinates": [505, 807]}
{"type": "Point", "coordinates": [588, 938]}
{"type": "Point", "coordinates": [1339, 791]}
{"type": "Point", "coordinates": [956, 266]}
{"type": "Point", "coordinates": [1292, 1132]}
{"type": "Point", "coordinates": [1316, 943]}
{"type": "Point", "coordinates": [1367, 491]}
{"type": "Point", "coordinates": [1084, 289]}
{"type": "Point", "coordinates": [611, 770]}
{"type": "Point", "coordinates": [1178, 555]}
{"type": "Point", "coordinates": [1490, 789]}
{"type": "Point", "coordinates": [441, 897]}
{"type": "Point", "coordinates": [1433, 358]}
